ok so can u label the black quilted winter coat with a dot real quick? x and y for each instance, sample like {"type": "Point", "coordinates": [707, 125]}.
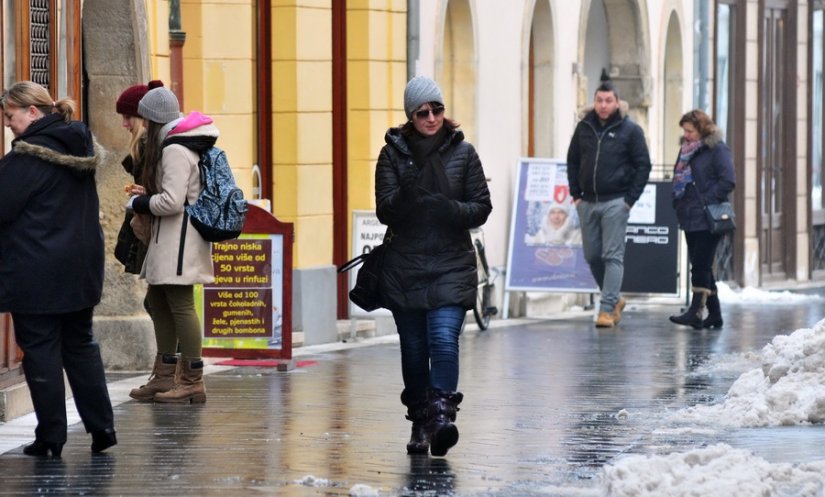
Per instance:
{"type": "Point", "coordinates": [610, 161]}
{"type": "Point", "coordinates": [430, 262]}
{"type": "Point", "coordinates": [51, 242]}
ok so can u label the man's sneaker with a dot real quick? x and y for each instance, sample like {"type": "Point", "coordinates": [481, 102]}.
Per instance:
{"type": "Point", "coordinates": [617, 311]}
{"type": "Point", "coordinates": [605, 320]}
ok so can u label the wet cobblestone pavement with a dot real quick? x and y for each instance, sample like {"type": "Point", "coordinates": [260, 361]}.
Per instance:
{"type": "Point", "coordinates": [547, 405]}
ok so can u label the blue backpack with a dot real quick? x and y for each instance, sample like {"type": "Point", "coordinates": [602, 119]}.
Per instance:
{"type": "Point", "coordinates": [220, 211]}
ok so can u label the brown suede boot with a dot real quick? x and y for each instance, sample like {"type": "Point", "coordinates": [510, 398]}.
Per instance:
{"type": "Point", "coordinates": [162, 379]}
{"type": "Point", "coordinates": [190, 388]}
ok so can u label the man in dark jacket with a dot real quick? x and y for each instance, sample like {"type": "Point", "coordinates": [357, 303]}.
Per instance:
{"type": "Point", "coordinates": [607, 168]}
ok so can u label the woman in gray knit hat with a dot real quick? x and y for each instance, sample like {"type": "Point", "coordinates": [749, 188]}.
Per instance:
{"type": "Point", "coordinates": [430, 189]}
{"type": "Point", "coordinates": [178, 257]}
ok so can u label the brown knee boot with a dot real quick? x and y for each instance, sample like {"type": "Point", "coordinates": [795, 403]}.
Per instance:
{"type": "Point", "coordinates": [190, 387]}
{"type": "Point", "coordinates": [162, 378]}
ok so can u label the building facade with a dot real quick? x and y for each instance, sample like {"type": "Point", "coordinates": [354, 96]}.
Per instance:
{"type": "Point", "coordinates": [304, 90]}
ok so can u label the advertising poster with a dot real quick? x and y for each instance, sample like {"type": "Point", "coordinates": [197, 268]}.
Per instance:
{"type": "Point", "coordinates": [242, 308]}
{"type": "Point", "coordinates": [545, 236]}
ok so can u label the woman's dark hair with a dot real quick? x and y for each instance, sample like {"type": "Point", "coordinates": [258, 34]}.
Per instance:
{"type": "Point", "coordinates": [152, 155]}
{"type": "Point", "coordinates": [700, 121]}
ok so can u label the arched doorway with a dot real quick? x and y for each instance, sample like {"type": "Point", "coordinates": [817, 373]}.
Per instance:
{"type": "Point", "coordinates": [456, 70]}
{"type": "Point", "coordinates": [616, 41]}
{"type": "Point", "coordinates": [673, 91]}
{"type": "Point", "coordinates": [539, 82]}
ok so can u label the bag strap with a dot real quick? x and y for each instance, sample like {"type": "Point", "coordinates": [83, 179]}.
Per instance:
{"type": "Point", "coordinates": [354, 262]}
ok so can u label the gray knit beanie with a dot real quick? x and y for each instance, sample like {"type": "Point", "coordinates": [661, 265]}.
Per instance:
{"type": "Point", "coordinates": [419, 91]}
{"type": "Point", "coordinates": [159, 105]}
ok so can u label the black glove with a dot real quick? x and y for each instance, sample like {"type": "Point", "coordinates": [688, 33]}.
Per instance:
{"type": "Point", "coordinates": [445, 206]}
{"type": "Point", "coordinates": [408, 180]}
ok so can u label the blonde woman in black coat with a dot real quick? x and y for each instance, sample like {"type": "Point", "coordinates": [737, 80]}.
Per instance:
{"type": "Point", "coordinates": [430, 189]}
{"type": "Point", "coordinates": [51, 263]}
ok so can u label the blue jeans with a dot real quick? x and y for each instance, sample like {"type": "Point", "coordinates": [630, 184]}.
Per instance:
{"type": "Point", "coordinates": [604, 226]}
{"type": "Point", "coordinates": [429, 349]}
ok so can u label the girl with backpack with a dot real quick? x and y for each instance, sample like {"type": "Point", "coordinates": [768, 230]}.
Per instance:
{"type": "Point", "coordinates": [178, 257]}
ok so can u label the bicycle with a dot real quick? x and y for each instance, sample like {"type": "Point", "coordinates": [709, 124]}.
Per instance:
{"type": "Point", "coordinates": [484, 309]}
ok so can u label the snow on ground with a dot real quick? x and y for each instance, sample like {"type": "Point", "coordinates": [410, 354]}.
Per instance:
{"type": "Point", "coordinates": [716, 471]}
{"type": "Point", "coordinates": [788, 388]}
{"type": "Point", "coordinates": [784, 386]}
{"type": "Point", "coordinates": [751, 295]}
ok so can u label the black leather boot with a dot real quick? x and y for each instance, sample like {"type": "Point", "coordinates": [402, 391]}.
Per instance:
{"type": "Point", "coordinates": [417, 412]}
{"type": "Point", "coordinates": [693, 315]}
{"type": "Point", "coordinates": [714, 319]}
{"type": "Point", "coordinates": [443, 407]}
{"type": "Point", "coordinates": [103, 439]}
{"type": "Point", "coordinates": [40, 448]}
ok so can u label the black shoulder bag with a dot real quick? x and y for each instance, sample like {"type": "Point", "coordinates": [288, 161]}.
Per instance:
{"type": "Point", "coordinates": [365, 294]}
{"type": "Point", "coordinates": [720, 217]}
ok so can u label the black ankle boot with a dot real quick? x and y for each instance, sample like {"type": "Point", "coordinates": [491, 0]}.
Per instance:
{"type": "Point", "coordinates": [443, 409]}
{"type": "Point", "coordinates": [714, 319]}
{"type": "Point", "coordinates": [41, 449]}
{"type": "Point", "coordinates": [103, 439]}
{"type": "Point", "coordinates": [417, 412]}
{"type": "Point", "coordinates": [693, 315]}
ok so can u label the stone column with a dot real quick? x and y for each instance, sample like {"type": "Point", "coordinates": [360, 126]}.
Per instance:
{"type": "Point", "coordinates": [116, 56]}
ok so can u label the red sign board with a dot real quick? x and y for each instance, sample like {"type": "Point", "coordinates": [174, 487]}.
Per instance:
{"type": "Point", "coordinates": [247, 311]}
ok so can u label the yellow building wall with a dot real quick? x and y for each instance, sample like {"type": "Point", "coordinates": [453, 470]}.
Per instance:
{"type": "Point", "coordinates": [157, 12]}
{"type": "Point", "coordinates": [219, 76]}
{"type": "Point", "coordinates": [219, 80]}
{"type": "Point", "coordinates": [302, 125]}
{"type": "Point", "coordinates": [376, 77]}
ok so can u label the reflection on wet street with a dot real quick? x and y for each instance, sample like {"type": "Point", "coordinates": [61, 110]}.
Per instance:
{"type": "Point", "coordinates": [547, 405]}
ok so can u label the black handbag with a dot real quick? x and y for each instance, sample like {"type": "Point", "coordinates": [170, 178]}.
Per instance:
{"type": "Point", "coordinates": [721, 217]}
{"type": "Point", "coordinates": [129, 250]}
{"type": "Point", "coordinates": [366, 294]}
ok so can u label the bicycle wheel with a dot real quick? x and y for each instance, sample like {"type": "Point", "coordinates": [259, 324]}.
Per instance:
{"type": "Point", "coordinates": [481, 311]}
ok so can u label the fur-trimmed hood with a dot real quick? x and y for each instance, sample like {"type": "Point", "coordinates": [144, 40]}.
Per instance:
{"type": "Point", "coordinates": [69, 144]}
{"type": "Point", "coordinates": [80, 164]}
{"type": "Point", "coordinates": [711, 140]}
{"type": "Point", "coordinates": [624, 107]}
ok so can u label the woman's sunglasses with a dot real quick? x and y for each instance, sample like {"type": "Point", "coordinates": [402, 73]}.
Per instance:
{"type": "Point", "coordinates": [424, 114]}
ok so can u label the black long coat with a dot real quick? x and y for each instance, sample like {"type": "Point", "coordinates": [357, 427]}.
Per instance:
{"type": "Point", "coordinates": [430, 262]}
{"type": "Point", "coordinates": [51, 242]}
{"type": "Point", "coordinates": [713, 172]}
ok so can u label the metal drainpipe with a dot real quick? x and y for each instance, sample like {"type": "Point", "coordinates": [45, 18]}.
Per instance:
{"type": "Point", "coordinates": [177, 37]}
{"type": "Point", "coordinates": [701, 55]}
{"type": "Point", "coordinates": [413, 42]}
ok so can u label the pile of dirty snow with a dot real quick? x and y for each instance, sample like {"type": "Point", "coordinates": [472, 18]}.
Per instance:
{"type": "Point", "coordinates": [788, 389]}
{"type": "Point", "coordinates": [716, 471]}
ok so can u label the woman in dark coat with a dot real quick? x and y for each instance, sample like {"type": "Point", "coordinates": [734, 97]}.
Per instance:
{"type": "Point", "coordinates": [430, 189]}
{"type": "Point", "coordinates": [51, 263]}
{"type": "Point", "coordinates": [703, 175]}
